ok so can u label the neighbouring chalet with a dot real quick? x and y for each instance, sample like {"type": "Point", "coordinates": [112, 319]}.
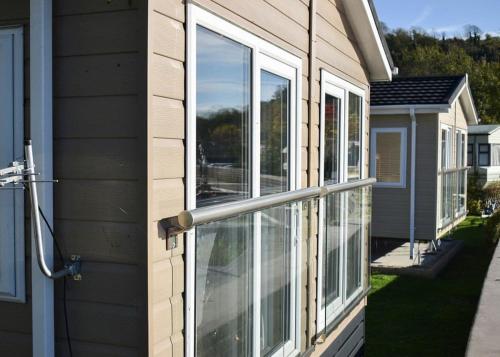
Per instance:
{"type": "Point", "coordinates": [418, 155]}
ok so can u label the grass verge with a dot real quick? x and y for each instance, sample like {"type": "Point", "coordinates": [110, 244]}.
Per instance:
{"type": "Point", "coordinates": [410, 316]}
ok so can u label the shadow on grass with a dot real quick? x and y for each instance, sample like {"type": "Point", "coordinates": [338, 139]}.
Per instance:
{"type": "Point", "coordinates": [410, 316]}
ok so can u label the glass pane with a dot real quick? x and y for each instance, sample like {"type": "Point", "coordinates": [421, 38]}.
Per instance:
{"type": "Point", "coordinates": [444, 147]}
{"type": "Point", "coordinates": [354, 138]}
{"type": "Point", "coordinates": [332, 251]}
{"type": "Point", "coordinates": [484, 159]}
{"type": "Point", "coordinates": [224, 288]}
{"type": "Point", "coordinates": [331, 139]}
{"type": "Point", "coordinates": [276, 279]}
{"type": "Point", "coordinates": [223, 95]}
{"type": "Point", "coordinates": [388, 157]}
{"type": "Point", "coordinates": [459, 149]}
{"type": "Point", "coordinates": [274, 122]}
{"type": "Point", "coordinates": [495, 155]}
{"type": "Point", "coordinates": [354, 241]}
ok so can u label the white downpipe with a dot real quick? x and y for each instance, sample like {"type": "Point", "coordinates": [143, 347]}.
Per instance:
{"type": "Point", "coordinates": [412, 178]}
{"type": "Point", "coordinates": [41, 134]}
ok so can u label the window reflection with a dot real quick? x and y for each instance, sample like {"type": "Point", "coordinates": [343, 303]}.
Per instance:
{"type": "Point", "coordinates": [331, 139]}
{"type": "Point", "coordinates": [224, 277]}
{"type": "Point", "coordinates": [274, 118]}
{"type": "Point", "coordinates": [223, 94]}
{"type": "Point", "coordinates": [354, 242]}
{"type": "Point", "coordinates": [332, 250]}
{"type": "Point", "coordinates": [276, 279]}
{"type": "Point", "coordinates": [354, 137]}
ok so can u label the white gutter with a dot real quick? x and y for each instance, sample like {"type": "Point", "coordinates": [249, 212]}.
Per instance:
{"type": "Point", "coordinates": [412, 178]}
{"type": "Point", "coordinates": [42, 288]}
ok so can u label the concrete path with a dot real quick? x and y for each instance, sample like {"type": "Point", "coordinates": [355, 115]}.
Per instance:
{"type": "Point", "coordinates": [484, 340]}
{"type": "Point", "coordinates": [396, 260]}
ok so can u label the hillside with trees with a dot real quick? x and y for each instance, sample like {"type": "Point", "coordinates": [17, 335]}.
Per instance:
{"type": "Point", "coordinates": [418, 53]}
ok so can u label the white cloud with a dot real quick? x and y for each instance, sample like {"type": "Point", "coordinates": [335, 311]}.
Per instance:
{"type": "Point", "coordinates": [448, 29]}
{"type": "Point", "coordinates": [492, 33]}
{"type": "Point", "coordinates": [426, 12]}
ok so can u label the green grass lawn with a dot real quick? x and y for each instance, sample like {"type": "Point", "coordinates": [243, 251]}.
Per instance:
{"type": "Point", "coordinates": [409, 316]}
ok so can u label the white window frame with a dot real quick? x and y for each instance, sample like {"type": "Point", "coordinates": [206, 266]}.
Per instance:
{"type": "Point", "coordinates": [275, 60]}
{"type": "Point", "coordinates": [16, 289]}
{"type": "Point", "coordinates": [403, 133]}
{"type": "Point", "coordinates": [447, 164]}
{"type": "Point", "coordinates": [340, 88]}
{"type": "Point", "coordinates": [463, 161]}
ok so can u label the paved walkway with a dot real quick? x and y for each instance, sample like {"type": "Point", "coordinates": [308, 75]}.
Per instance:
{"type": "Point", "coordinates": [396, 258]}
{"type": "Point", "coordinates": [484, 340]}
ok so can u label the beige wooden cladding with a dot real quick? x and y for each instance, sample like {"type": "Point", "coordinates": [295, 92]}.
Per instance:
{"type": "Point", "coordinates": [284, 23]}
{"type": "Point", "coordinates": [166, 131]}
{"type": "Point", "coordinates": [99, 201]}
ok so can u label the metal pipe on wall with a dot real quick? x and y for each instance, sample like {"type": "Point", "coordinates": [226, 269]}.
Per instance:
{"type": "Point", "coordinates": [412, 180]}
{"type": "Point", "coordinates": [41, 133]}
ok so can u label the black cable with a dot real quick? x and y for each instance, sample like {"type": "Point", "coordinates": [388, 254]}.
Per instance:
{"type": "Point", "coordinates": [59, 252]}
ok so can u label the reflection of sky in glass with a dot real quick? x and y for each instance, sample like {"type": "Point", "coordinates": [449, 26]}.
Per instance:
{"type": "Point", "coordinates": [221, 69]}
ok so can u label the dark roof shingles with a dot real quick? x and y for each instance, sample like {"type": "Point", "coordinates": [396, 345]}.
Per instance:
{"type": "Point", "coordinates": [414, 90]}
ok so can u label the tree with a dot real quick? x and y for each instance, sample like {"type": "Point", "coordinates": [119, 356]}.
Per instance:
{"type": "Point", "coordinates": [417, 53]}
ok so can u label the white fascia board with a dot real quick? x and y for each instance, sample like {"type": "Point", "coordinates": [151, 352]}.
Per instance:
{"type": "Point", "coordinates": [404, 109]}
{"type": "Point", "coordinates": [365, 29]}
{"type": "Point", "coordinates": [463, 93]}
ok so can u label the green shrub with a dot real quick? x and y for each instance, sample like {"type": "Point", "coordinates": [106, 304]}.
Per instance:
{"type": "Point", "coordinates": [492, 228]}
{"type": "Point", "coordinates": [474, 206]}
{"type": "Point", "coordinates": [475, 196]}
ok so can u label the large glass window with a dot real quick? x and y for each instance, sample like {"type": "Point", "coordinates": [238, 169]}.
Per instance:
{"type": "Point", "coordinates": [274, 109]}
{"type": "Point", "coordinates": [445, 148]}
{"type": "Point", "coordinates": [244, 145]}
{"type": "Point", "coordinates": [388, 160]}
{"type": "Point", "coordinates": [223, 95]}
{"type": "Point", "coordinates": [354, 137]}
{"type": "Point", "coordinates": [484, 155]}
{"type": "Point", "coordinates": [332, 139]}
{"type": "Point", "coordinates": [341, 247]}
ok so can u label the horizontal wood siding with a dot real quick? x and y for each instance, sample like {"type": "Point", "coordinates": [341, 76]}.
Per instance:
{"type": "Point", "coordinates": [426, 177]}
{"type": "Point", "coordinates": [283, 23]}
{"type": "Point", "coordinates": [99, 202]}
{"type": "Point", "coordinates": [391, 206]}
{"type": "Point", "coordinates": [99, 148]}
{"type": "Point", "coordinates": [166, 150]}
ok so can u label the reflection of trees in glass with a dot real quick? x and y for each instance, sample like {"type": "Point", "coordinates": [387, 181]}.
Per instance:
{"type": "Point", "coordinates": [354, 135]}
{"type": "Point", "coordinates": [274, 133]}
{"type": "Point", "coordinates": [332, 106]}
{"type": "Point", "coordinates": [221, 136]}
{"type": "Point", "coordinates": [222, 155]}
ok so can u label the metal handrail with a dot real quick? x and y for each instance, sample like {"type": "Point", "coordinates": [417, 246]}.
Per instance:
{"type": "Point", "coordinates": [454, 169]}
{"type": "Point", "coordinates": [190, 218]}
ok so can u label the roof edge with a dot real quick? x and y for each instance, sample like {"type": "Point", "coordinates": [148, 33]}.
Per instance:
{"type": "Point", "coordinates": [405, 109]}
{"type": "Point", "coordinates": [463, 93]}
{"type": "Point", "coordinates": [366, 27]}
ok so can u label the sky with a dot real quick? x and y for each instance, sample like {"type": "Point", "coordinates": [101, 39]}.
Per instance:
{"type": "Point", "coordinates": [448, 16]}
